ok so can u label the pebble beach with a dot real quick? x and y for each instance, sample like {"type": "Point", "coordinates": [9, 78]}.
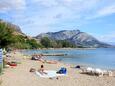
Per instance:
{"type": "Point", "coordinates": [20, 75]}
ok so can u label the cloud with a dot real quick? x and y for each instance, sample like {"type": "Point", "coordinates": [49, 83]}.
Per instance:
{"type": "Point", "coordinates": [106, 10]}
{"type": "Point", "coordinates": [6, 5]}
{"type": "Point", "coordinates": [75, 5]}
{"type": "Point", "coordinates": [109, 37]}
{"type": "Point", "coordinates": [63, 10]}
{"type": "Point", "coordinates": [46, 14]}
{"type": "Point", "coordinates": [46, 3]}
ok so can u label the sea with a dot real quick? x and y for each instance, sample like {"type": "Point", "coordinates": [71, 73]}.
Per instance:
{"type": "Point", "coordinates": [100, 57]}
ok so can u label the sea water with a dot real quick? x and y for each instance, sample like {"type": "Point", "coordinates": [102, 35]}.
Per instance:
{"type": "Point", "coordinates": [100, 57]}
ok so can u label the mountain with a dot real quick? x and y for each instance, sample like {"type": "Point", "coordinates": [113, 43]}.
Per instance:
{"type": "Point", "coordinates": [74, 36]}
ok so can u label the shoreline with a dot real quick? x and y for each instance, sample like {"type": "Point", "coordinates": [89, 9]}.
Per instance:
{"type": "Point", "coordinates": [59, 49]}
{"type": "Point", "coordinates": [73, 64]}
{"type": "Point", "coordinates": [78, 63]}
{"type": "Point", "coordinates": [20, 75]}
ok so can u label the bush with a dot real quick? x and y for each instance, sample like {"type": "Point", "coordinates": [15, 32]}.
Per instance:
{"type": "Point", "coordinates": [48, 43]}
{"type": "Point", "coordinates": [6, 35]}
{"type": "Point", "coordinates": [8, 39]}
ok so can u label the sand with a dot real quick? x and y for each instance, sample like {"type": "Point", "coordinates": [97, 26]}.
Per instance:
{"type": "Point", "coordinates": [20, 75]}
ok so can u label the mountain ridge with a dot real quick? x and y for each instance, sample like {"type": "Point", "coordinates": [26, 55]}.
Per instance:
{"type": "Point", "coordinates": [74, 36]}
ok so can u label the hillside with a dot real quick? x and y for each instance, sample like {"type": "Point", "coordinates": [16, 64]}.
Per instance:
{"type": "Point", "coordinates": [74, 36]}
{"type": "Point", "coordinates": [12, 36]}
{"type": "Point", "coordinates": [16, 29]}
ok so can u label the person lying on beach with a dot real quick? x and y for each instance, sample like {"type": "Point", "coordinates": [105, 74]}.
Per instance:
{"type": "Point", "coordinates": [32, 69]}
{"type": "Point", "coordinates": [41, 70]}
{"type": "Point", "coordinates": [37, 57]}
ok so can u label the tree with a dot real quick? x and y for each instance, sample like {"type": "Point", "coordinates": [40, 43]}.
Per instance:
{"type": "Point", "coordinates": [53, 44]}
{"type": "Point", "coordinates": [8, 38]}
{"type": "Point", "coordinates": [6, 35]}
{"type": "Point", "coordinates": [65, 44]}
{"type": "Point", "coordinates": [33, 43]}
{"type": "Point", "coordinates": [46, 42]}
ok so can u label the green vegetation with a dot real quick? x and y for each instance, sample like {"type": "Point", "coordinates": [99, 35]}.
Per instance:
{"type": "Point", "coordinates": [6, 35]}
{"type": "Point", "coordinates": [48, 43]}
{"type": "Point", "coordinates": [65, 43]}
{"type": "Point", "coordinates": [1, 67]}
{"type": "Point", "coordinates": [8, 39]}
{"type": "Point", "coordinates": [25, 43]}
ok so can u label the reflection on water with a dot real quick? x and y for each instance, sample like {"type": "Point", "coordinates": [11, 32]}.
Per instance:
{"type": "Point", "coordinates": [102, 57]}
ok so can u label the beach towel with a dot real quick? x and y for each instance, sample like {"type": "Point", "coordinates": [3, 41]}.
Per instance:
{"type": "Point", "coordinates": [50, 74]}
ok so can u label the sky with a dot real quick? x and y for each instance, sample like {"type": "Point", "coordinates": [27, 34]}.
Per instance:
{"type": "Point", "coordinates": [96, 17]}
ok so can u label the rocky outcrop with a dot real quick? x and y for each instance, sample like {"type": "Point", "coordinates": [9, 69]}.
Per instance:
{"type": "Point", "coordinates": [74, 36]}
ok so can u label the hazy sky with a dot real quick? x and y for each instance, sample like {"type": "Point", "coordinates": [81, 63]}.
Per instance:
{"type": "Point", "coordinates": [96, 17]}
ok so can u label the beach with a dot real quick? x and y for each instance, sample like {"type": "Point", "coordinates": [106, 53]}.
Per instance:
{"type": "Point", "coordinates": [20, 75]}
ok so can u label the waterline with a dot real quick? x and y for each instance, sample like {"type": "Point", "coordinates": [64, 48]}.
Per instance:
{"type": "Point", "coordinates": [101, 57]}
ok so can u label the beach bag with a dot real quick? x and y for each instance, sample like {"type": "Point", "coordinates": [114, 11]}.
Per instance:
{"type": "Point", "coordinates": [77, 66]}
{"type": "Point", "coordinates": [62, 71]}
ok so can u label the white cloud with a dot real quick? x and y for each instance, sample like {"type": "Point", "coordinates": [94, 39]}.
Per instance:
{"type": "Point", "coordinates": [6, 5]}
{"type": "Point", "coordinates": [80, 5]}
{"type": "Point", "coordinates": [46, 3]}
{"type": "Point", "coordinates": [45, 13]}
{"type": "Point", "coordinates": [109, 37]}
{"type": "Point", "coordinates": [76, 5]}
{"type": "Point", "coordinates": [104, 10]}
{"type": "Point", "coordinates": [107, 10]}
{"type": "Point", "coordinates": [59, 10]}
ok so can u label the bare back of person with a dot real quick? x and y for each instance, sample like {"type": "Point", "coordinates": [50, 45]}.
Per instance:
{"type": "Point", "coordinates": [41, 70]}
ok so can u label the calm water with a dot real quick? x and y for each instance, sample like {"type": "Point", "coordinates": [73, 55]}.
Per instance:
{"type": "Point", "coordinates": [101, 57]}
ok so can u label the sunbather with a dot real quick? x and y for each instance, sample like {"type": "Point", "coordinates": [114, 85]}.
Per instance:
{"type": "Point", "coordinates": [41, 70]}
{"type": "Point", "coordinates": [32, 69]}
{"type": "Point", "coordinates": [51, 62]}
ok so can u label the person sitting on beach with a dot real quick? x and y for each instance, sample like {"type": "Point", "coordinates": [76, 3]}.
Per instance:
{"type": "Point", "coordinates": [41, 70]}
